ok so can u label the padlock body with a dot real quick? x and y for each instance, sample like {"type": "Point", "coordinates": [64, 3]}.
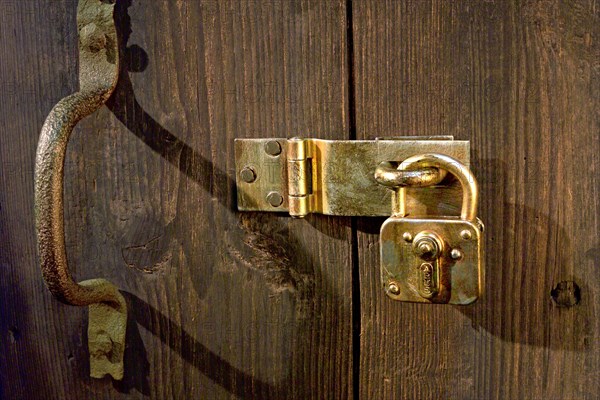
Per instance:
{"type": "Point", "coordinates": [454, 276]}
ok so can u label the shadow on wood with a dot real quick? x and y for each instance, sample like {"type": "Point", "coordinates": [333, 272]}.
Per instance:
{"type": "Point", "coordinates": [219, 370]}
{"type": "Point", "coordinates": [265, 245]}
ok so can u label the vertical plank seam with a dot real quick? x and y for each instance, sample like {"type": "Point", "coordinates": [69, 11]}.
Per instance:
{"type": "Point", "coordinates": [356, 316]}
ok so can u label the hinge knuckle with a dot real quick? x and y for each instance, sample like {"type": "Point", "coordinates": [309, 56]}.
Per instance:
{"type": "Point", "coordinates": [298, 206]}
{"type": "Point", "coordinates": [299, 177]}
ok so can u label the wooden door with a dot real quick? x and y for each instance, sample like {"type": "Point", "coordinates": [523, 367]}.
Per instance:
{"type": "Point", "coordinates": [257, 305]}
{"type": "Point", "coordinates": [520, 80]}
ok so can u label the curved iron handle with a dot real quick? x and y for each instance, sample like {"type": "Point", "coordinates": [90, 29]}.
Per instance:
{"type": "Point", "coordinates": [98, 73]}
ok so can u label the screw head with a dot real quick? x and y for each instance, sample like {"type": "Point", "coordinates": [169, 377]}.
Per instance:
{"type": "Point", "coordinates": [248, 175]}
{"type": "Point", "coordinates": [393, 288]}
{"type": "Point", "coordinates": [407, 236]}
{"type": "Point", "coordinates": [273, 148]}
{"type": "Point", "coordinates": [275, 199]}
{"type": "Point", "coordinates": [466, 234]}
{"type": "Point", "coordinates": [456, 254]}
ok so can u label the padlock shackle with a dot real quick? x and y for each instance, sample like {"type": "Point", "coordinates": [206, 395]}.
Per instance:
{"type": "Point", "coordinates": [453, 166]}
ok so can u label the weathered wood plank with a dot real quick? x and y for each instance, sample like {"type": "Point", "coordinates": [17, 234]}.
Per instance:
{"type": "Point", "coordinates": [36, 70]}
{"type": "Point", "coordinates": [223, 305]}
{"type": "Point", "coordinates": [519, 79]}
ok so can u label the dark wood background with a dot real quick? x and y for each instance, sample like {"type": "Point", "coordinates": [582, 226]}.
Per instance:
{"type": "Point", "coordinates": [257, 305]}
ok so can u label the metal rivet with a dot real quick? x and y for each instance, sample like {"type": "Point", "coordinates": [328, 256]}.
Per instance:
{"type": "Point", "coordinates": [425, 248]}
{"type": "Point", "coordinates": [466, 234]}
{"type": "Point", "coordinates": [427, 245]}
{"type": "Point", "coordinates": [248, 175]}
{"type": "Point", "coordinates": [456, 254]}
{"type": "Point", "coordinates": [275, 199]}
{"type": "Point", "coordinates": [393, 288]}
{"type": "Point", "coordinates": [407, 236]}
{"type": "Point", "coordinates": [273, 148]}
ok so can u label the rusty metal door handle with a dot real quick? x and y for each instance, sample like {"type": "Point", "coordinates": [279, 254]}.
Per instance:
{"type": "Point", "coordinates": [98, 74]}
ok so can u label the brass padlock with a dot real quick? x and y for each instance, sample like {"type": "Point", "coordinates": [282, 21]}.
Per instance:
{"type": "Point", "coordinates": [434, 260]}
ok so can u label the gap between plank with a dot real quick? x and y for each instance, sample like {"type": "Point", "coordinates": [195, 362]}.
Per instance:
{"type": "Point", "coordinates": [356, 316]}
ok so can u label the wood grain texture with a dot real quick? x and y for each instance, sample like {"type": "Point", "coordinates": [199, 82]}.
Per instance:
{"type": "Point", "coordinates": [256, 305]}
{"type": "Point", "coordinates": [520, 80]}
{"type": "Point", "coordinates": [222, 304]}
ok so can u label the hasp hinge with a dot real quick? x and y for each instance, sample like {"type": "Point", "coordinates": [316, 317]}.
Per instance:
{"type": "Point", "coordinates": [336, 177]}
